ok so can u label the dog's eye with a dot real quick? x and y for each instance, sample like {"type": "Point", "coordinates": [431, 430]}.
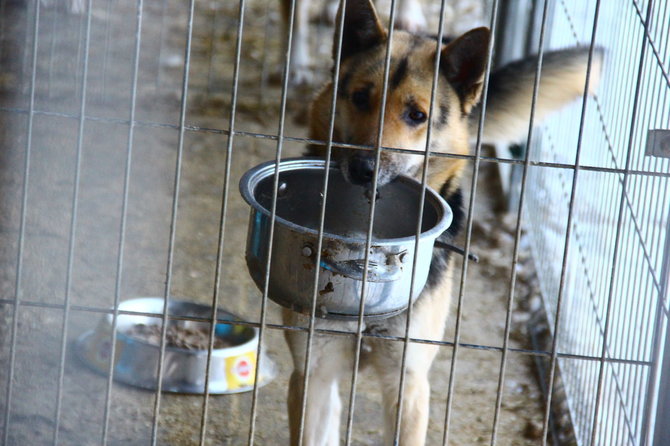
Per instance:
{"type": "Point", "coordinates": [415, 117]}
{"type": "Point", "coordinates": [361, 98]}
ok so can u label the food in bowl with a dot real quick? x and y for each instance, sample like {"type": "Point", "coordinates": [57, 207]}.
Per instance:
{"type": "Point", "coordinates": [179, 336]}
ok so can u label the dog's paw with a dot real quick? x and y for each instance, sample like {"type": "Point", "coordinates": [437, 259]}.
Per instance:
{"type": "Point", "coordinates": [410, 17]}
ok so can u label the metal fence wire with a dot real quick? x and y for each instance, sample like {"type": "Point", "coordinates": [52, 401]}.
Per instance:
{"type": "Point", "coordinates": [609, 296]}
{"type": "Point", "coordinates": [125, 127]}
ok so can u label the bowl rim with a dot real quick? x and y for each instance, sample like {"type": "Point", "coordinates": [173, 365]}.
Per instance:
{"type": "Point", "coordinates": [250, 180]}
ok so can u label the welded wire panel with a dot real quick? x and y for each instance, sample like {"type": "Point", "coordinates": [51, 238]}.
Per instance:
{"type": "Point", "coordinates": [610, 299]}
{"type": "Point", "coordinates": [131, 122]}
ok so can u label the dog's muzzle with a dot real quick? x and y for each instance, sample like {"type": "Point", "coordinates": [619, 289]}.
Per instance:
{"type": "Point", "coordinates": [361, 169]}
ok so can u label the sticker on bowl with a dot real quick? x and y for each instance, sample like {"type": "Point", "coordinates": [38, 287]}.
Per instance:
{"type": "Point", "coordinates": [241, 370]}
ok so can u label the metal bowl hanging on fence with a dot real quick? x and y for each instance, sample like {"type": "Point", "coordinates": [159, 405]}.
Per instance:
{"type": "Point", "coordinates": [342, 263]}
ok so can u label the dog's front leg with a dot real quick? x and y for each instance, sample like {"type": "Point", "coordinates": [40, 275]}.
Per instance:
{"type": "Point", "coordinates": [429, 315]}
{"type": "Point", "coordinates": [322, 411]}
{"type": "Point", "coordinates": [415, 410]}
{"type": "Point", "coordinates": [416, 395]}
{"type": "Point", "coordinates": [331, 358]}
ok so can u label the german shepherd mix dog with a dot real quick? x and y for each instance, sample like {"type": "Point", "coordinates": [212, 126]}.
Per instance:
{"type": "Point", "coordinates": [455, 116]}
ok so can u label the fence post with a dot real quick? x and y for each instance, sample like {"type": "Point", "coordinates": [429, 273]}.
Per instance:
{"type": "Point", "coordinates": [659, 386]}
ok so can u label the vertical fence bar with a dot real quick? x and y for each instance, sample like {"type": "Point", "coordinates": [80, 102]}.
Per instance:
{"type": "Point", "coordinates": [659, 379]}
{"type": "Point", "coordinates": [273, 215]}
{"type": "Point", "coordinates": [26, 45]}
{"type": "Point", "coordinates": [417, 236]}
{"type": "Point", "coordinates": [52, 50]}
{"type": "Point", "coordinates": [620, 108]}
{"type": "Point", "coordinates": [653, 389]}
{"type": "Point", "coordinates": [468, 226]}
{"type": "Point", "coordinates": [173, 220]}
{"type": "Point", "coordinates": [22, 230]}
{"type": "Point", "coordinates": [222, 221]}
{"type": "Point", "coordinates": [161, 42]}
{"type": "Point", "coordinates": [73, 223]}
{"type": "Point", "coordinates": [652, 320]}
{"type": "Point", "coordinates": [656, 241]}
{"type": "Point", "coordinates": [615, 257]}
{"type": "Point", "coordinates": [322, 216]}
{"type": "Point", "coordinates": [368, 239]}
{"type": "Point", "coordinates": [568, 233]}
{"type": "Point", "coordinates": [124, 217]}
{"type": "Point", "coordinates": [264, 61]}
{"type": "Point", "coordinates": [631, 340]}
{"type": "Point", "coordinates": [80, 38]}
{"type": "Point", "coordinates": [660, 434]}
{"type": "Point", "coordinates": [517, 235]}
{"type": "Point", "coordinates": [108, 38]}
{"type": "Point", "coordinates": [212, 43]}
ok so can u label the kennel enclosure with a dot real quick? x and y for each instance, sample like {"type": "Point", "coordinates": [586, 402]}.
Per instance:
{"type": "Point", "coordinates": [125, 125]}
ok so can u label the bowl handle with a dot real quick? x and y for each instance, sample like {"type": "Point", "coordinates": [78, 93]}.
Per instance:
{"type": "Point", "coordinates": [354, 269]}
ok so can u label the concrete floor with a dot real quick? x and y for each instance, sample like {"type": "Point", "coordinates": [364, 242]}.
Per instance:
{"type": "Point", "coordinates": [92, 282]}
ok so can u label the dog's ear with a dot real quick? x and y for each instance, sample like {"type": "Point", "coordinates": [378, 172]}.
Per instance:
{"type": "Point", "coordinates": [463, 63]}
{"type": "Point", "coordinates": [362, 29]}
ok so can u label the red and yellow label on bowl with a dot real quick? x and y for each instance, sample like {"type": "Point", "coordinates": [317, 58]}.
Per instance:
{"type": "Point", "coordinates": [241, 370]}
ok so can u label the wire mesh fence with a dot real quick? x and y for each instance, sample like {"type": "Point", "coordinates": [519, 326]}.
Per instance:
{"type": "Point", "coordinates": [127, 125]}
{"type": "Point", "coordinates": [608, 297]}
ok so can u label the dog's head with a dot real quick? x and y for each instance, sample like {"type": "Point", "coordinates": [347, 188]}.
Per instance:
{"type": "Point", "coordinates": [410, 80]}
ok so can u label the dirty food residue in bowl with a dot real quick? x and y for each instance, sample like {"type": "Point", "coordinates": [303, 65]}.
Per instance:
{"type": "Point", "coordinates": [177, 336]}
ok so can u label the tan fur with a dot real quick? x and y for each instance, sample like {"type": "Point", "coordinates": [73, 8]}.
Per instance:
{"type": "Point", "coordinates": [455, 112]}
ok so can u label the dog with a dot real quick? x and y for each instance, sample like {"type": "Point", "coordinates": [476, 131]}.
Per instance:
{"type": "Point", "coordinates": [455, 117]}
{"type": "Point", "coordinates": [410, 17]}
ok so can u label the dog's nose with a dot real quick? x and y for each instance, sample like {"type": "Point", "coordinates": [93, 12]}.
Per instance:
{"type": "Point", "coordinates": [361, 169]}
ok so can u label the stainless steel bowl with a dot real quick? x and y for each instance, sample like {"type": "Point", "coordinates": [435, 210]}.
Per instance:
{"type": "Point", "coordinates": [299, 199]}
{"type": "Point", "coordinates": [136, 360]}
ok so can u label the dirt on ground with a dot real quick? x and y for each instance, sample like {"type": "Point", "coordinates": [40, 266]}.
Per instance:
{"type": "Point", "coordinates": [52, 394]}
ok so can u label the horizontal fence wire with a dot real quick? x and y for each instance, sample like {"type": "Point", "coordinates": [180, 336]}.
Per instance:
{"type": "Point", "coordinates": [655, 171]}
{"type": "Point", "coordinates": [266, 136]}
{"type": "Point", "coordinates": [246, 323]}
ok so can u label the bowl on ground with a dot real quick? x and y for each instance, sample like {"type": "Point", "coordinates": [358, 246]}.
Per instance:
{"type": "Point", "coordinates": [138, 345]}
